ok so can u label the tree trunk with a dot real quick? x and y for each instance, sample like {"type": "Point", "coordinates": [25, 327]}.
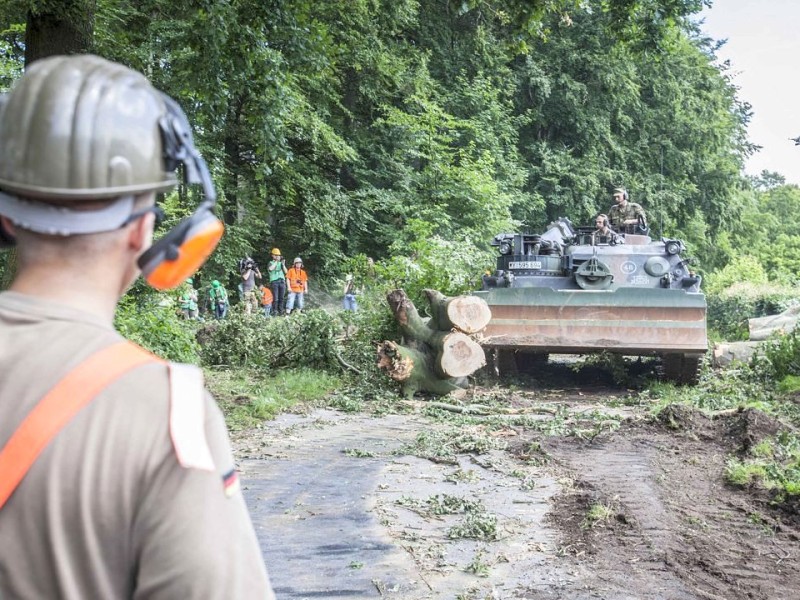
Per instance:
{"type": "Point", "coordinates": [726, 353]}
{"type": "Point", "coordinates": [469, 314]}
{"type": "Point", "coordinates": [412, 369]}
{"type": "Point", "coordinates": [763, 327]}
{"type": "Point", "coordinates": [434, 357]}
{"type": "Point", "coordinates": [458, 355]}
{"type": "Point", "coordinates": [67, 29]}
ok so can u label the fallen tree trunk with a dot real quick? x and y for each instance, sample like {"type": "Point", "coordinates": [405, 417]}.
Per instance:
{"type": "Point", "coordinates": [726, 353]}
{"type": "Point", "coordinates": [434, 357]}
{"type": "Point", "coordinates": [458, 355]}
{"type": "Point", "coordinates": [410, 368]}
{"type": "Point", "coordinates": [763, 327]}
{"type": "Point", "coordinates": [469, 314]}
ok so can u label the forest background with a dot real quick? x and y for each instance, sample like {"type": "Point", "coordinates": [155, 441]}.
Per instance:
{"type": "Point", "coordinates": [413, 131]}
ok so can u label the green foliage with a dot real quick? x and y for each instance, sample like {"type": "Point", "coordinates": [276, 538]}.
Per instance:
{"type": "Point", "coordinates": [763, 244]}
{"type": "Point", "coordinates": [776, 466]}
{"type": "Point", "coordinates": [729, 309]}
{"type": "Point", "coordinates": [11, 54]}
{"type": "Point", "coordinates": [450, 266]}
{"type": "Point", "coordinates": [779, 358]}
{"type": "Point", "coordinates": [364, 329]}
{"type": "Point", "coordinates": [154, 325]}
{"type": "Point", "coordinates": [443, 445]}
{"type": "Point", "coordinates": [789, 384]}
{"type": "Point", "coordinates": [254, 341]}
{"type": "Point", "coordinates": [477, 525]}
{"type": "Point", "coordinates": [598, 515]}
{"type": "Point", "coordinates": [330, 126]}
{"type": "Point", "coordinates": [616, 364]}
{"type": "Point", "coordinates": [717, 391]}
{"type": "Point", "coordinates": [248, 397]}
{"type": "Point", "coordinates": [742, 269]}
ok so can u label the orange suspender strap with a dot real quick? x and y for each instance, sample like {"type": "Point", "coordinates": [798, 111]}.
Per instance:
{"type": "Point", "coordinates": [60, 405]}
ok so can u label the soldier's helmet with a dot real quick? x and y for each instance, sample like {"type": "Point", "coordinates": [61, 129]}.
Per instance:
{"type": "Point", "coordinates": [82, 127]}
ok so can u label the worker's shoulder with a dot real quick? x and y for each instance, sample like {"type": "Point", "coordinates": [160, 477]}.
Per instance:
{"type": "Point", "coordinates": [159, 379]}
{"type": "Point", "coordinates": [172, 397]}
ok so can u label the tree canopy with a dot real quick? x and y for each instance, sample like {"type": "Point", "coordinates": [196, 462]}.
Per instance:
{"type": "Point", "coordinates": [335, 129]}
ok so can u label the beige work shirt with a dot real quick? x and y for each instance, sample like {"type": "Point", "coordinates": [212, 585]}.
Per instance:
{"type": "Point", "coordinates": [106, 511]}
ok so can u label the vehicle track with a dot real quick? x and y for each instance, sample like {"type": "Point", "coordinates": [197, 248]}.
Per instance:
{"type": "Point", "coordinates": [339, 506]}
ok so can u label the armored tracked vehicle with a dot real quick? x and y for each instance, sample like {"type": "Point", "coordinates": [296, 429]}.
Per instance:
{"type": "Point", "coordinates": [573, 291]}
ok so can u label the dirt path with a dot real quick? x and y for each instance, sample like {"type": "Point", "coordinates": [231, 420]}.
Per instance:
{"type": "Point", "coordinates": [414, 507]}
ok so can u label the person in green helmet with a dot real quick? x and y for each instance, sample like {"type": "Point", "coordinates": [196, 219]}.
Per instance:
{"type": "Point", "coordinates": [188, 300]}
{"type": "Point", "coordinates": [218, 298]}
{"type": "Point", "coordinates": [117, 475]}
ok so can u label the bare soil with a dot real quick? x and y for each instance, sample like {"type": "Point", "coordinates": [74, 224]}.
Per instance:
{"type": "Point", "coordinates": [588, 497]}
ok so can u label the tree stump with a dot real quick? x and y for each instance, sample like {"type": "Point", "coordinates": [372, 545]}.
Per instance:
{"type": "Point", "coordinates": [437, 354]}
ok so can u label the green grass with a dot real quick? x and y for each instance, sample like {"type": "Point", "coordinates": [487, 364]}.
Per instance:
{"type": "Point", "coordinates": [744, 473]}
{"type": "Point", "coordinates": [598, 515]}
{"type": "Point", "coordinates": [248, 397]}
{"type": "Point", "coordinates": [774, 464]}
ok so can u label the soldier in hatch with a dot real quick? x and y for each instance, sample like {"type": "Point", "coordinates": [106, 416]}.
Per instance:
{"type": "Point", "coordinates": [625, 215]}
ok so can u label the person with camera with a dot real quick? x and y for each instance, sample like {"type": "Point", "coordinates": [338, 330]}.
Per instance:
{"type": "Point", "coordinates": [118, 479]}
{"type": "Point", "coordinates": [276, 271]}
{"type": "Point", "coordinates": [298, 286]}
{"type": "Point", "coordinates": [250, 272]}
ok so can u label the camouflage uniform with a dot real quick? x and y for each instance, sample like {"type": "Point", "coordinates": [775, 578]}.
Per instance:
{"type": "Point", "coordinates": [618, 214]}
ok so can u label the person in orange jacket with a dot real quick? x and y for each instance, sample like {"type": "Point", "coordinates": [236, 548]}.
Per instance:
{"type": "Point", "coordinates": [298, 285]}
{"type": "Point", "coordinates": [266, 300]}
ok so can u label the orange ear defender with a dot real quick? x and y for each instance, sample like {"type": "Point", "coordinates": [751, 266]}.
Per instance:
{"type": "Point", "coordinates": [184, 249]}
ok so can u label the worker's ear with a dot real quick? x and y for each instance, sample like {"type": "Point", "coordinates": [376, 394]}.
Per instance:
{"type": "Point", "coordinates": [140, 235]}
{"type": "Point", "coordinates": [7, 233]}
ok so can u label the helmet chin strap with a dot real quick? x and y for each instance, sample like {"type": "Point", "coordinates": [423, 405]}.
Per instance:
{"type": "Point", "coordinates": [48, 219]}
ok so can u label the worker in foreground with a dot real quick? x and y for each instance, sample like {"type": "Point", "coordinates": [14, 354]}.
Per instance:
{"type": "Point", "coordinates": [117, 474]}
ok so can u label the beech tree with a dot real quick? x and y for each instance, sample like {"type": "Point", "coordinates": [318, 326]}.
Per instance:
{"type": "Point", "coordinates": [334, 129]}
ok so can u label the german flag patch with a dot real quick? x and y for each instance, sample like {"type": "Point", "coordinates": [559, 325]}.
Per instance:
{"type": "Point", "coordinates": [230, 483]}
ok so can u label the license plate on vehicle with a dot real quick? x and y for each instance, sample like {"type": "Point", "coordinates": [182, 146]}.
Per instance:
{"type": "Point", "coordinates": [525, 264]}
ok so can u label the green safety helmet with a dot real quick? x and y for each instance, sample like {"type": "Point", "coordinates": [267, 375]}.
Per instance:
{"type": "Point", "coordinates": [189, 280]}
{"type": "Point", "coordinates": [215, 283]}
{"type": "Point", "coordinates": [82, 127]}
{"type": "Point", "coordinates": [620, 190]}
